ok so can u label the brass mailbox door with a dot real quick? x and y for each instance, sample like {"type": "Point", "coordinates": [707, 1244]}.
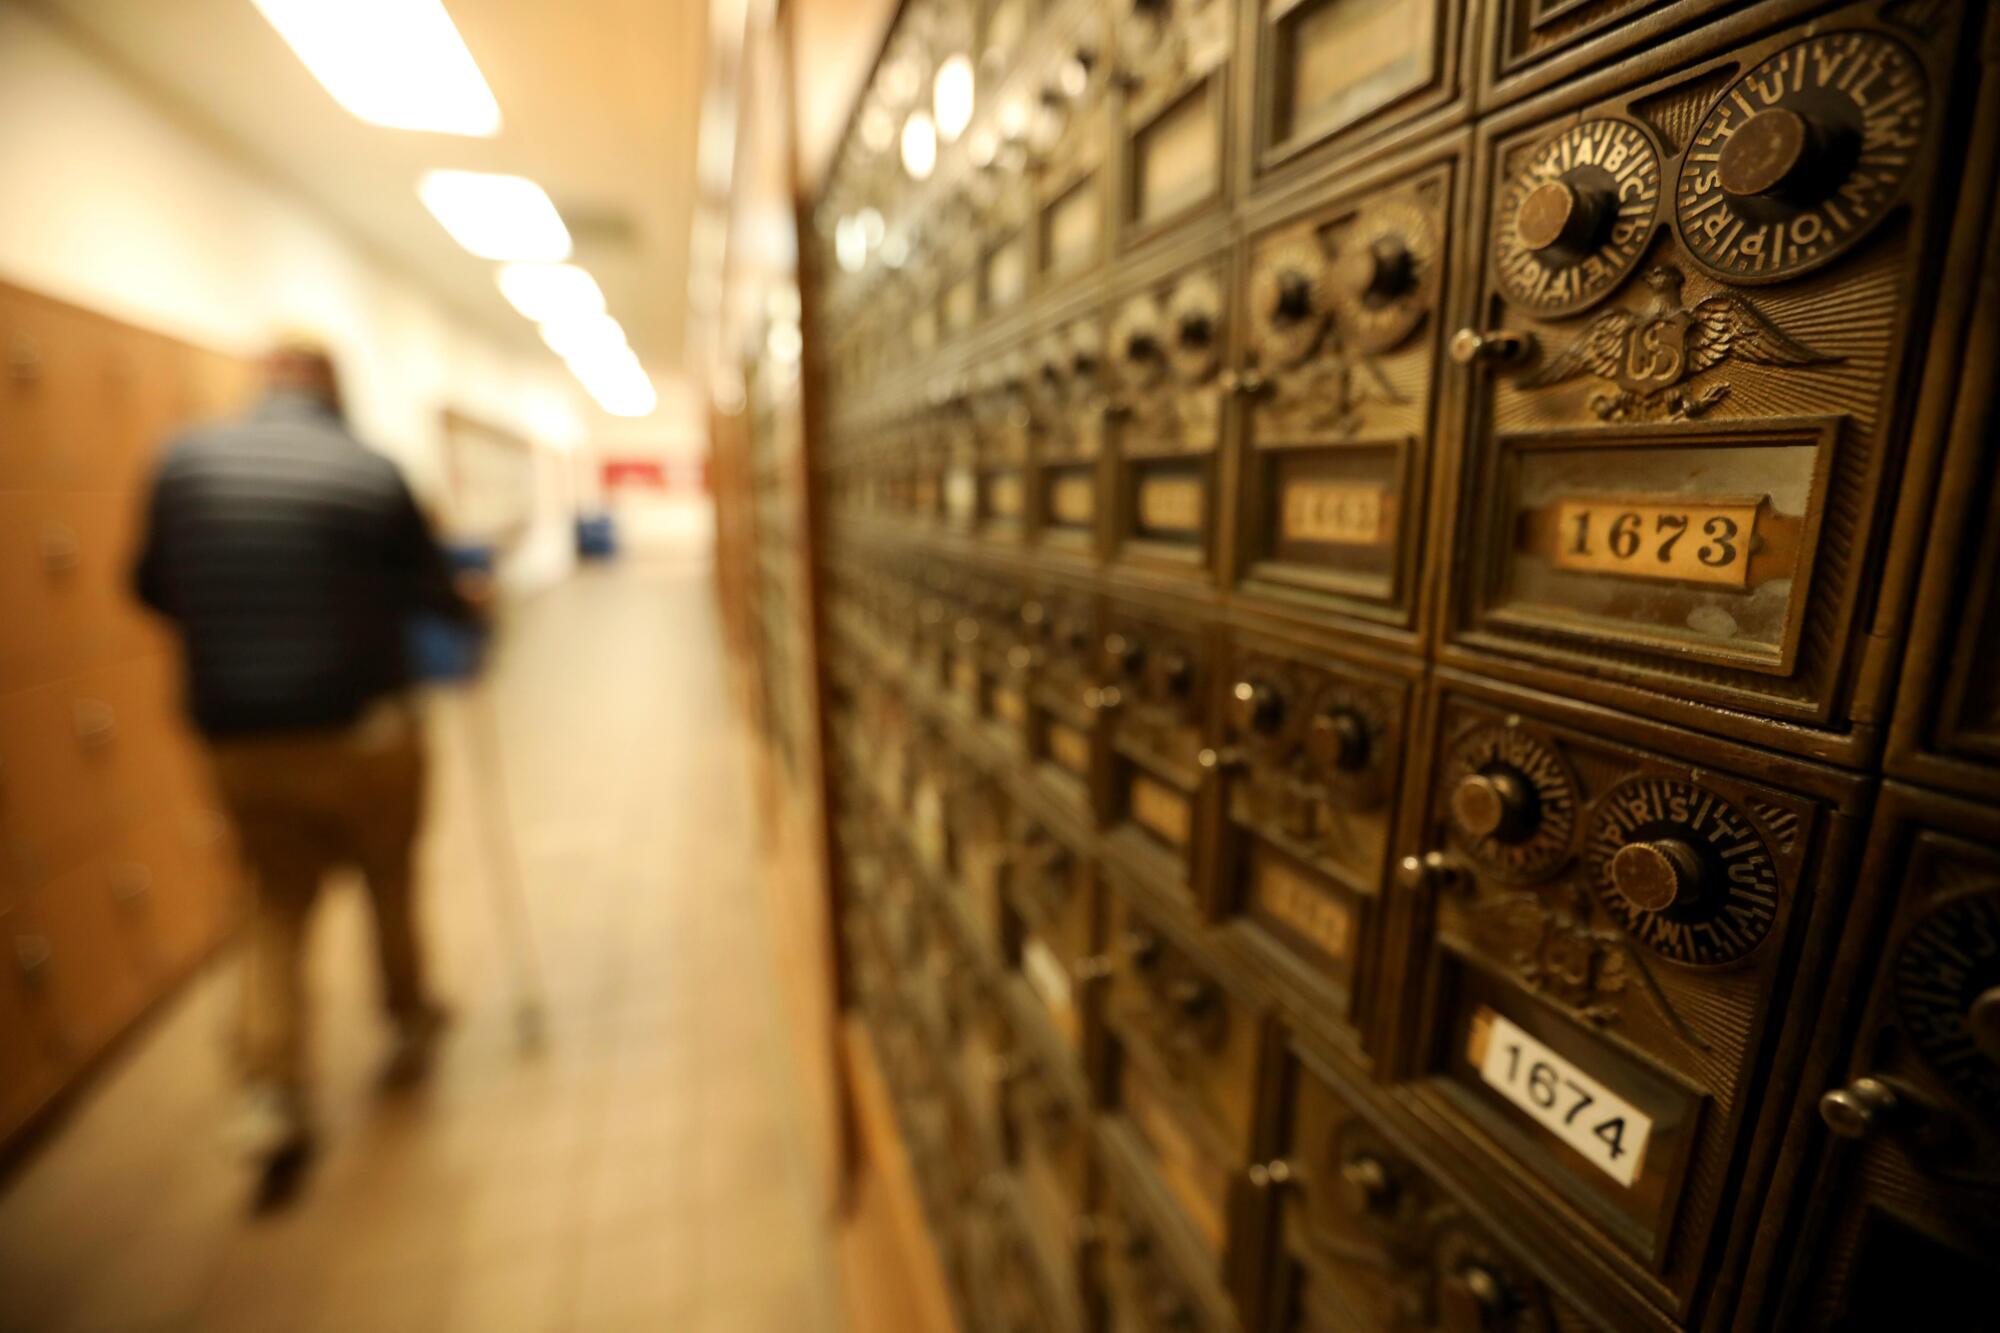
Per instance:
{"type": "Point", "coordinates": [1159, 672]}
{"type": "Point", "coordinates": [1342, 77]}
{"type": "Point", "coordinates": [1066, 406]}
{"type": "Point", "coordinates": [1895, 1140]}
{"type": "Point", "coordinates": [1173, 75]}
{"type": "Point", "coordinates": [1000, 417]}
{"type": "Point", "coordinates": [1694, 304]}
{"type": "Point", "coordinates": [1368, 1240]}
{"type": "Point", "coordinates": [1310, 764]}
{"type": "Point", "coordinates": [1165, 421]}
{"type": "Point", "coordinates": [1067, 113]}
{"type": "Point", "coordinates": [1607, 918]}
{"type": "Point", "coordinates": [1066, 701]}
{"type": "Point", "coordinates": [1341, 310]}
{"type": "Point", "coordinates": [1189, 1043]}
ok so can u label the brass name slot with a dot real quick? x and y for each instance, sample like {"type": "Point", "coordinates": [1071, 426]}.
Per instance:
{"type": "Point", "coordinates": [961, 493]}
{"type": "Point", "coordinates": [1663, 538]}
{"type": "Point", "coordinates": [965, 678]}
{"type": "Point", "coordinates": [1160, 809]}
{"type": "Point", "coordinates": [1071, 228]}
{"type": "Point", "coordinates": [1072, 500]}
{"type": "Point", "coordinates": [1070, 748]}
{"type": "Point", "coordinates": [1342, 60]}
{"type": "Point", "coordinates": [1305, 907]}
{"type": "Point", "coordinates": [1003, 495]}
{"type": "Point", "coordinates": [1009, 706]}
{"type": "Point", "coordinates": [1176, 156]}
{"type": "Point", "coordinates": [1342, 513]}
{"type": "Point", "coordinates": [961, 303]}
{"type": "Point", "coordinates": [1198, 1184]}
{"type": "Point", "coordinates": [1170, 504]}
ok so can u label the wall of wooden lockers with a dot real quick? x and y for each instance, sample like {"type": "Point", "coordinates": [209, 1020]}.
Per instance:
{"type": "Point", "coordinates": [114, 867]}
{"type": "Point", "coordinates": [1409, 623]}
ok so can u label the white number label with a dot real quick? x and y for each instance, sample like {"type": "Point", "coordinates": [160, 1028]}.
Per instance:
{"type": "Point", "coordinates": [1609, 1131]}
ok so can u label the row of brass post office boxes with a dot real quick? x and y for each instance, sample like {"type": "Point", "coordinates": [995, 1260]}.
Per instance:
{"type": "Point", "coordinates": [1406, 588]}
{"type": "Point", "coordinates": [1107, 126]}
{"type": "Point", "coordinates": [1541, 1063]}
{"type": "Point", "coordinates": [1539, 389]}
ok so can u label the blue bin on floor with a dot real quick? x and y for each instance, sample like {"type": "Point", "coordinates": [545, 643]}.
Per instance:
{"type": "Point", "coordinates": [596, 539]}
{"type": "Point", "coordinates": [445, 650]}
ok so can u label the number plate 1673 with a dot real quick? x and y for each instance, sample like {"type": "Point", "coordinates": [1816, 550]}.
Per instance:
{"type": "Point", "coordinates": [1607, 1130]}
{"type": "Point", "coordinates": [1678, 541]}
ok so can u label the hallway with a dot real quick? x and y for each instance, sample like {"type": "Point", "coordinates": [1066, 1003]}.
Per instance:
{"type": "Point", "coordinates": [640, 1171]}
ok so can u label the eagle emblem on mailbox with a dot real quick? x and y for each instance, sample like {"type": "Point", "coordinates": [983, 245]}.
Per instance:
{"type": "Point", "coordinates": [1651, 354]}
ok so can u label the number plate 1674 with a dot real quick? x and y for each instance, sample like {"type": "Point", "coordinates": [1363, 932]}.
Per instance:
{"type": "Point", "coordinates": [1607, 1130]}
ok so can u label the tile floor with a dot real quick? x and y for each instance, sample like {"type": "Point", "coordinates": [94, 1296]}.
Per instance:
{"type": "Point", "coordinates": [641, 1171]}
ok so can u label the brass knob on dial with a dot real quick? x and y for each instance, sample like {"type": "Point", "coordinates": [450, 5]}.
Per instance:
{"type": "Point", "coordinates": [1502, 346]}
{"type": "Point", "coordinates": [1366, 1184]}
{"type": "Point", "coordinates": [1196, 329]}
{"type": "Point", "coordinates": [1122, 654]}
{"type": "Point", "coordinates": [1475, 1299]}
{"type": "Point", "coordinates": [1774, 153]}
{"type": "Point", "coordinates": [1175, 672]}
{"type": "Point", "coordinates": [1255, 706]}
{"type": "Point", "coordinates": [1378, 274]}
{"type": "Point", "coordinates": [1293, 300]}
{"type": "Point", "coordinates": [1142, 345]}
{"type": "Point", "coordinates": [1338, 738]}
{"type": "Point", "coordinates": [1494, 804]}
{"type": "Point", "coordinates": [1557, 214]}
{"type": "Point", "coordinates": [1863, 1108]}
{"type": "Point", "coordinates": [1654, 876]}
{"type": "Point", "coordinates": [1195, 999]}
{"type": "Point", "coordinates": [1982, 1020]}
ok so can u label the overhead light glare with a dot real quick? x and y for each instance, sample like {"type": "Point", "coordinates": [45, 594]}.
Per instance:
{"type": "Point", "coordinates": [395, 63]}
{"type": "Point", "coordinates": [952, 96]}
{"type": "Point", "coordinates": [878, 128]}
{"type": "Point", "coordinates": [545, 293]}
{"type": "Point", "coordinates": [620, 386]}
{"type": "Point", "coordinates": [850, 244]}
{"type": "Point", "coordinates": [496, 217]}
{"type": "Point", "coordinates": [584, 336]}
{"type": "Point", "coordinates": [919, 145]}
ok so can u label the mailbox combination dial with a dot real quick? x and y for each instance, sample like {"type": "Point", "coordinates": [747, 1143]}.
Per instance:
{"type": "Point", "coordinates": [1513, 803]}
{"type": "Point", "coordinates": [1683, 870]}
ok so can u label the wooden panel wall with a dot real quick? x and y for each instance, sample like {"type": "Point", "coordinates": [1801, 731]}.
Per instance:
{"type": "Point", "coordinates": [115, 868]}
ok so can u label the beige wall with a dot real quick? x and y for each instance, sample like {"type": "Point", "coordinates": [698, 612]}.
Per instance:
{"type": "Point", "coordinates": [110, 201]}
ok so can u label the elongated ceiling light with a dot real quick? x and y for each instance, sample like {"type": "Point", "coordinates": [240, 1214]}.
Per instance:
{"type": "Point", "coordinates": [584, 336]}
{"type": "Point", "coordinates": [548, 292]}
{"type": "Point", "coordinates": [396, 63]}
{"type": "Point", "coordinates": [919, 145]}
{"type": "Point", "coordinates": [952, 96]}
{"type": "Point", "coordinates": [496, 217]}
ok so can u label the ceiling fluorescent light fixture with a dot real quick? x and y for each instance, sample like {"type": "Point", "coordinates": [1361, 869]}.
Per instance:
{"type": "Point", "coordinates": [584, 337]}
{"type": "Point", "coordinates": [545, 293]}
{"type": "Point", "coordinates": [919, 145]}
{"type": "Point", "coordinates": [952, 96]}
{"type": "Point", "coordinates": [496, 217]}
{"type": "Point", "coordinates": [396, 63]}
{"type": "Point", "coordinates": [617, 382]}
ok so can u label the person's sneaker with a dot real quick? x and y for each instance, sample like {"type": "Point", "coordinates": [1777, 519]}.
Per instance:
{"type": "Point", "coordinates": [269, 1124]}
{"type": "Point", "coordinates": [416, 1043]}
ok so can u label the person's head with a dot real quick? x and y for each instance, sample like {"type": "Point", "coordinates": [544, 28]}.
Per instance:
{"type": "Point", "coordinates": [301, 364]}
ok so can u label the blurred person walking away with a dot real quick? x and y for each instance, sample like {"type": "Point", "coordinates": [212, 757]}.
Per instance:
{"type": "Point", "coordinates": [291, 558]}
